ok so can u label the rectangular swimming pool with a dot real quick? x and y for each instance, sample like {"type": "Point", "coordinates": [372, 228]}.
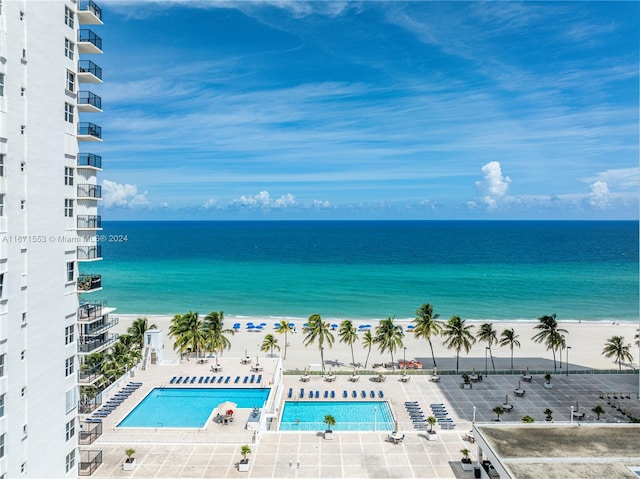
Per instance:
{"type": "Point", "coordinates": [188, 408]}
{"type": "Point", "coordinates": [349, 416]}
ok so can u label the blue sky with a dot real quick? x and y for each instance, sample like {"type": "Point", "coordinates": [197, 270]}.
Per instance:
{"type": "Point", "coordinates": [369, 110]}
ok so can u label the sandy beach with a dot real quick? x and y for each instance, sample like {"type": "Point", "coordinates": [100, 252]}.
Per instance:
{"type": "Point", "coordinates": [585, 339]}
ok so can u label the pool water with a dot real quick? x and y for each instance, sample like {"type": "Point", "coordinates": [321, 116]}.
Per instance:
{"type": "Point", "coordinates": [188, 408]}
{"type": "Point", "coordinates": [349, 416]}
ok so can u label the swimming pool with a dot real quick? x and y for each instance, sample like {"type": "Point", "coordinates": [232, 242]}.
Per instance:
{"type": "Point", "coordinates": [349, 416]}
{"type": "Point", "coordinates": [188, 408]}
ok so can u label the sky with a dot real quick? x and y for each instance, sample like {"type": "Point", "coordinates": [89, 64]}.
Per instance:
{"type": "Point", "coordinates": [368, 110]}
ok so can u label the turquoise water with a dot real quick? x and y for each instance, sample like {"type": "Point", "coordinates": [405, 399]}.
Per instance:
{"type": "Point", "coordinates": [349, 416]}
{"type": "Point", "coordinates": [188, 408]}
{"type": "Point", "coordinates": [373, 269]}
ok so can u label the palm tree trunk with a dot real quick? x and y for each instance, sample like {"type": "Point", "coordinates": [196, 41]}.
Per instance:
{"type": "Point", "coordinates": [367, 360]}
{"type": "Point", "coordinates": [492, 363]}
{"type": "Point", "coordinates": [353, 358]}
{"type": "Point", "coordinates": [393, 365]}
{"type": "Point", "coordinates": [555, 368]}
{"type": "Point", "coordinates": [512, 357]}
{"type": "Point", "coordinates": [285, 345]}
{"type": "Point", "coordinates": [457, 361]}
{"type": "Point", "coordinates": [322, 359]}
{"type": "Point", "coordinates": [432, 355]}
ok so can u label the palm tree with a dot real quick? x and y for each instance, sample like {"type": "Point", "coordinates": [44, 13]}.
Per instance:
{"type": "Point", "coordinates": [348, 334]}
{"type": "Point", "coordinates": [137, 330]}
{"type": "Point", "coordinates": [510, 338]}
{"type": "Point", "coordinates": [269, 344]}
{"type": "Point", "coordinates": [388, 337]}
{"type": "Point", "coordinates": [458, 336]}
{"type": "Point", "coordinates": [215, 333]}
{"type": "Point", "coordinates": [330, 420]}
{"type": "Point", "coordinates": [188, 331]}
{"type": "Point", "coordinates": [615, 348]}
{"type": "Point", "coordinates": [490, 336]}
{"type": "Point", "coordinates": [367, 341]}
{"type": "Point", "coordinates": [597, 410]}
{"type": "Point", "coordinates": [426, 325]}
{"type": "Point", "coordinates": [318, 330]}
{"type": "Point", "coordinates": [498, 411]}
{"type": "Point", "coordinates": [285, 329]}
{"type": "Point", "coordinates": [551, 335]}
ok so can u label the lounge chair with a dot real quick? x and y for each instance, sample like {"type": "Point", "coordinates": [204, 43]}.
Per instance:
{"type": "Point", "coordinates": [326, 394]}
{"type": "Point", "coordinates": [186, 379]}
{"type": "Point", "coordinates": [372, 394]}
{"type": "Point", "coordinates": [220, 379]}
{"type": "Point", "coordinates": [226, 381]}
{"type": "Point", "coordinates": [179, 380]}
{"type": "Point", "coordinates": [333, 394]}
{"type": "Point", "coordinates": [236, 380]}
{"type": "Point", "coordinates": [213, 379]}
{"type": "Point", "coordinates": [301, 393]}
{"type": "Point", "coordinates": [290, 395]}
{"type": "Point", "coordinates": [436, 404]}
{"type": "Point", "coordinates": [201, 380]}
{"type": "Point", "coordinates": [193, 380]}
{"type": "Point", "coordinates": [206, 380]}
{"type": "Point", "coordinates": [253, 378]}
{"type": "Point", "coordinates": [310, 394]}
{"type": "Point", "coordinates": [246, 380]}
{"type": "Point", "coordinates": [173, 380]}
{"type": "Point", "coordinates": [411, 402]}
{"type": "Point", "coordinates": [259, 378]}
{"type": "Point", "coordinates": [354, 394]}
{"type": "Point", "coordinates": [345, 394]}
{"type": "Point", "coordinates": [317, 394]}
{"type": "Point", "coordinates": [380, 394]}
{"type": "Point", "coordinates": [363, 394]}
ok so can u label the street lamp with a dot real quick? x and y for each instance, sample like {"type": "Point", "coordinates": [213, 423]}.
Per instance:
{"type": "Point", "coordinates": [404, 360]}
{"type": "Point", "coordinates": [567, 371]}
{"type": "Point", "coordinates": [571, 420]}
{"type": "Point", "coordinates": [486, 368]}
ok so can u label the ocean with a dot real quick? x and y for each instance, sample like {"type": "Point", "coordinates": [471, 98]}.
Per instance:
{"type": "Point", "coordinates": [482, 270]}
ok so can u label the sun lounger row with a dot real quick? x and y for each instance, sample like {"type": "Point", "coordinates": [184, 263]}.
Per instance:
{"type": "Point", "coordinates": [117, 399]}
{"type": "Point", "coordinates": [416, 415]}
{"type": "Point", "coordinates": [331, 394]}
{"type": "Point", "coordinates": [215, 379]}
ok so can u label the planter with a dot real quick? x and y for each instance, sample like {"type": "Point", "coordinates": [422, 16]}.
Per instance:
{"type": "Point", "coordinates": [548, 385]}
{"type": "Point", "coordinates": [467, 466]}
{"type": "Point", "coordinates": [467, 385]}
{"type": "Point", "coordinates": [328, 434]}
{"type": "Point", "coordinates": [243, 465]}
{"type": "Point", "coordinates": [129, 464]}
{"type": "Point", "coordinates": [432, 436]}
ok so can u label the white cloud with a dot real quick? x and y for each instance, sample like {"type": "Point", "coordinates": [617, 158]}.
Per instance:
{"type": "Point", "coordinates": [618, 178]}
{"type": "Point", "coordinates": [122, 195]}
{"type": "Point", "coordinates": [493, 186]}
{"type": "Point", "coordinates": [263, 200]}
{"type": "Point", "coordinates": [210, 203]}
{"type": "Point", "coordinates": [319, 204]}
{"type": "Point", "coordinates": [599, 195]}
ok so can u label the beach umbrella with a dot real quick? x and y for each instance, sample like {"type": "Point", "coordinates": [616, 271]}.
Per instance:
{"type": "Point", "coordinates": [519, 385]}
{"type": "Point", "coordinates": [225, 406]}
{"type": "Point", "coordinates": [576, 406]}
{"type": "Point", "coordinates": [435, 371]}
{"type": "Point", "coordinates": [257, 361]}
{"type": "Point", "coordinates": [291, 325]}
{"type": "Point", "coordinates": [506, 399]}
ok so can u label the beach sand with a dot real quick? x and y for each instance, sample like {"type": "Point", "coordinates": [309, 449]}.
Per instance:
{"type": "Point", "coordinates": [586, 341]}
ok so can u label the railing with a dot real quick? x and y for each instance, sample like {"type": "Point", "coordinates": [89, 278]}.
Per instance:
{"type": "Point", "coordinates": [87, 66]}
{"type": "Point", "coordinates": [87, 377]}
{"type": "Point", "coordinates": [86, 35]}
{"type": "Point", "coordinates": [89, 191]}
{"type": "Point", "coordinates": [86, 128]}
{"type": "Point", "coordinates": [91, 310]}
{"type": "Point", "coordinates": [89, 462]}
{"type": "Point", "coordinates": [89, 98]}
{"type": "Point", "coordinates": [94, 328]}
{"type": "Point", "coordinates": [87, 406]}
{"type": "Point", "coordinates": [88, 436]}
{"type": "Point", "coordinates": [89, 252]}
{"type": "Point", "coordinates": [89, 159]}
{"type": "Point", "coordinates": [92, 345]}
{"type": "Point", "coordinates": [89, 221]}
{"type": "Point", "coordinates": [90, 282]}
{"type": "Point", "coordinates": [91, 6]}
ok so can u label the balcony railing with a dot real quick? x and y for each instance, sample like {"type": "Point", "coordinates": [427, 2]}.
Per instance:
{"type": "Point", "coordinates": [89, 252]}
{"type": "Point", "coordinates": [89, 433]}
{"type": "Point", "coordinates": [90, 6]}
{"type": "Point", "coordinates": [90, 160]}
{"type": "Point", "coordinates": [88, 377]}
{"type": "Point", "coordinates": [90, 129]}
{"type": "Point", "coordinates": [87, 406]}
{"type": "Point", "coordinates": [96, 327]}
{"type": "Point", "coordinates": [89, 345]}
{"type": "Point", "coordinates": [89, 462]}
{"type": "Point", "coordinates": [90, 68]}
{"type": "Point", "coordinates": [89, 191]}
{"type": "Point", "coordinates": [89, 101]}
{"type": "Point", "coordinates": [91, 310]}
{"type": "Point", "coordinates": [87, 36]}
{"type": "Point", "coordinates": [89, 222]}
{"type": "Point", "coordinates": [89, 282]}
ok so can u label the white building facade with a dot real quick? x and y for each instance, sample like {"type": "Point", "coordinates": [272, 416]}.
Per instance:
{"type": "Point", "coordinates": [49, 196]}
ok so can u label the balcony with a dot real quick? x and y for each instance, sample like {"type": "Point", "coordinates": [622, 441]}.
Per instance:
{"type": "Point", "coordinates": [89, 222]}
{"type": "Point", "coordinates": [96, 344]}
{"type": "Point", "coordinates": [89, 462]}
{"type": "Point", "coordinates": [89, 42]}
{"type": "Point", "coordinates": [89, 132]}
{"type": "Point", "coordinates": [87, 378]}
{"type": "Point", "coordinates": [92, 310]}
{"type": "Point", "coordinates": [89, 433]}
{"type": "Point", "coordinates": [87, 190]}
{"type": "Point", "coordinates": [89, 160]}
{"type": "Point", "coordinates": [100, 326]}
{"type": "Point", "coordinates": [89, 102]}
{"type": "Point", "coordinates": [89, 253]}
{"type": "Point", "coordinates": [89, 72]}
{"type": "Point", "coordinates": [89, 13]}
{"type": "Point", "coordinates": [88, 283]}
{"type": "Point", "coordinates": [87, 406]}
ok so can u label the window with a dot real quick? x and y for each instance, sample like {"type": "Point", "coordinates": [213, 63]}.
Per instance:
{"type": "Point", "coordinates": [1, 365]}
{"type": "Point", "coordinates": [71, 81]}
{"type": "Point", "coordinates": [68, 16]}
{"type": "Point", "coordinates": [24, 318]}
{"type": "Point", "coordinates": [71, 268]}
{"type": "Point", "coordinates": [68, 176]}
{"type": "Point", "coordinates": [1, 165]}
{"type": "Point", "coordinates": [23, 392]}
{"type": "Point", "coordinates": [2, 445]}
{"type": "Point", "coordinates": [69, 48]}
{"type": "Point", "coordinates": [71, 400]}
{"type": "Point", "coordinates": [68, 112]}
{"type": "Point", "coordinates": [71, 460]}
{"type": "Point", "coordinates": [71, 429]}
{"type": "Point", "coordinates": [1, 207]}
{"type": "Point", "coordinates": [23, 353]}
{"type": "Point", "coordinates": [1, 84]}
{"type": "Point", "coordinates": [69, 332]}
{"type": "Point", "coordinates": [68, 366]}
{"type": "Point", "coordinates": [23, 468]}
{"type": "Point", "coordinates": [68, 208]}
{"type": "Point", "coordinates": [2, 405]}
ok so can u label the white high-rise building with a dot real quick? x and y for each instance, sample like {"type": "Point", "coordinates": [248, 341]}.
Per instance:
{"type": "Point", "coordinates": [49, 197]}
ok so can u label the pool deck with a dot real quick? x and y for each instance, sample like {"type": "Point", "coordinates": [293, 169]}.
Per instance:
{"type": "Point", "coordinates": [214, 451]}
